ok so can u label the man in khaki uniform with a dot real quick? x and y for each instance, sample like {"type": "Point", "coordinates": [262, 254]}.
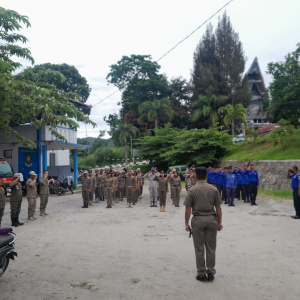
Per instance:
{"type": "Point", "coordinates": [44, 193]}
{"type": "Point", "coordinates": [163, 190]}
{"type": "Point", "coordinates": [86, 188]}
{"type": "Point", "coordinates": [31, 195]}
{"type": "Point", "coordinates": [2, 201]}
{"type": "Point", "coordinates": [93, 183]}
{"type": "Point", "coordinates": [108, 188]}
{"type": "Point", "coordinates": [204, 201]}
{"type": "Point", "coordinates": [175, 184]}
{"type": "Point", "coordinates": [130, 187]}
{"type": "Point", "coordinates": [97, 186]}
{"type": "Point", "coordinates": [15, 200]}
{"type": "Point", "coordinates": [102, 192]}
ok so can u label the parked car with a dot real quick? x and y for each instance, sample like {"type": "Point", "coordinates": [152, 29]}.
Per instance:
{"type": "Point", "coordinates": [6, 174]}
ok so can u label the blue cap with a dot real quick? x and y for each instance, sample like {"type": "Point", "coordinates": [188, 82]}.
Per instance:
{"type": "Point", "coordinates": [153, 169]}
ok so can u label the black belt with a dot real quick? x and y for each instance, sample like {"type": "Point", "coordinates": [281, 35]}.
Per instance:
{"type": "Point", "coordinates": [204, 215]}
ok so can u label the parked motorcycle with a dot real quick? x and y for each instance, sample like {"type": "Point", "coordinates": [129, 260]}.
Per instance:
{"type": "Point", "coordinates": [7, 240]}
{"type": "Point", "coordinates": [65, 186]}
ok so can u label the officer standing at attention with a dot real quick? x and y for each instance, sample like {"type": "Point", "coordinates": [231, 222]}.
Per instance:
{"type": "Point", "coordinates": [130, 184]}
{"type": "Point", "coordinates": [97, 186]}
{"type": "Point", "coordinates": [31, 195]}
{"type": "Point", "coordinates": [15, 200]}
{"type": "Point", "coordinates": [86, 188]}
{"type": "Point", "coordinates": [108, 188]}
{"type": "Point", "coordinates": [245, 185]}
{"type": "Point", "coordinates": [2, 201]}
{"type": "Point", "coordinates": [44, 193]}
{"type": "Point", "coordinates": [230, 186]}
{"type": "Point", "coordinates": [175, 183]}
{"type": "Point", "coordinates": [163, 190]}
{"type": "Point", "coordinates": [153, 185]}
{"type": "Point", "coordinates": [294, 175]}
{"type": "Point", "coordinates": [93, 183]}
{"type": "Point", "coordinates": [253, 184]}
{"type": "Point", "coordinates": [204, 202]}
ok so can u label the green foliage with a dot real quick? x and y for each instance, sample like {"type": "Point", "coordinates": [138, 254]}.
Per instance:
{"type": "Point", "coordinates": [180, 146]}
{"type": "Point", "coordinates": [263, 149]}
{"type": "Point", "coordinates": [10, 21]}
{"type": "Point", "coordinates": [100, 157]}
{"type": "Point", "coordinates": [233, 115]}
{"type": "Point", "coordinates": [285, 88]}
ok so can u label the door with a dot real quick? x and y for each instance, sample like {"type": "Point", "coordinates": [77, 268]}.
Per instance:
{"type": "Point", "coordinates": [27, 161]}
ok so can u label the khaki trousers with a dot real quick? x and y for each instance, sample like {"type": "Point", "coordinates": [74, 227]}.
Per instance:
{"type": "Point", "coordinates": [43, 202]}
{"type": "Point", "coordinates": [15, 208]}
{"type": "Point", "coordinates": [175, 194]}
{"type": "Point", "coordinates": [162, 197]}
{"type": "Point", "coordinates": [31, 207]}
{"type": "Point", "coordinates": [205, 242]}
{"type": "Point", "coordinates": [85, 196]}
{"type": "Point", "coordinates": [129, 193]}
{"type": "Point", "coordinates": [108, 195]}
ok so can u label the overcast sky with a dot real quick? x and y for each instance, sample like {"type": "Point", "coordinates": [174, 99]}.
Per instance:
{"type": "Point", "coordinates": [92, 35]}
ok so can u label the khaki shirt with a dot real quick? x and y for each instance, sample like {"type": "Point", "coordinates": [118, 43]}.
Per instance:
{"type": "Point", "coordinates": [93, 182]}
{"type": "Point", "coordinates": [86, 183]}
{"type": "Point", "coordinates": [130, 181]}
{"type": "Point", "coordinates": [98, 181]}
{"type": "Point", "coordinates": [203, 198]}
{"type": "Point", "coordinates": [31, 189]}
{"type": "Point", "coordinates": [175, 181]}
{"type": "Point", "coordinates": [2, 197]}
{"type": "Point", "coordinates": [44, 186]}
{"type": "Point", "coordinates": [16, 191]}
{"type": "Point", "coordinates": [108, 182]}
{"type": "Point", "coordinates": [162, 184]}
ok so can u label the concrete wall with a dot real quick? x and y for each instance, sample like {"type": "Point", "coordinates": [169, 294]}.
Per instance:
{"type": "Point", "coordinates": [272, 173]}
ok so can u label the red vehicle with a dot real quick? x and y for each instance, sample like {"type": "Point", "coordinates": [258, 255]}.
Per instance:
{"type": "Point", "coordinates": [6, 174]}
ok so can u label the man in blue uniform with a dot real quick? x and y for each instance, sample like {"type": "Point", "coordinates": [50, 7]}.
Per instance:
{"type": "Point", "coordinates": [294, 175]}
{"type": "Point", "coordinates": [230, 186]}
{"type": "Point", "coordinates": [224, 191]}
{"type": "Point", "coordinates": [238, 190]}
{"type": "Point", "coordinates": [245, 184]}
{"type": "Point", "coordinates": [253, 184]}
{"type": "Point", "coordinates": [219, 180]}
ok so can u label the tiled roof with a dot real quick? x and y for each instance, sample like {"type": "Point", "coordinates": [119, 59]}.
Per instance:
{"type": "Point", "coordinates": [267, 128]}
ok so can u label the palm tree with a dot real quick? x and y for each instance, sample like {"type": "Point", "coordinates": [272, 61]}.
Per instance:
{"type": "Point", "coordinates": [233, 114]}
{"type": "Point", "coordinates": [155, 110]}
{"type": "Point", "coordinates": [125, 131]}
{"type": "Point", "coordinates": [206, 106]}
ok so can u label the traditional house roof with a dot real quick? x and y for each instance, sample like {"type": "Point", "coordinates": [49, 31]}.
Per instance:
{"type": "Point", "coordinates": [79, 104]}
{"type": "Point", "coordinates": [267, 128]}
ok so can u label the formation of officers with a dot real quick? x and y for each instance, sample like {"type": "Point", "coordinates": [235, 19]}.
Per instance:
{"type": "Point", "coordinates": [31, 195]}
{"type": "Point", "coordinates": [114, 186]}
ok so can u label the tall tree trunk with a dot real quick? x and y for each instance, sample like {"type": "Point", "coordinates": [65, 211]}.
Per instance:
{"type": "Point", "coordinates": [232, 126]}
{"type": "Point", "coordinates": [156, 123]}
{"type": "Point", "coordinates": [126, 153]}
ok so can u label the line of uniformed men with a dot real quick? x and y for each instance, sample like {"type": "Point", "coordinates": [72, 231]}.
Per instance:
{"type": "Point", "coordinates": [111, 185]}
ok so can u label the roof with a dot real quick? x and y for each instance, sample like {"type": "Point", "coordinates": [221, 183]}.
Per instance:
{"type": "Point", "coordinates": [60, 145]}
{"type": "Point", "coordinates": [267, 128]}
{"type": "Point", "coordinates": [79, 104]}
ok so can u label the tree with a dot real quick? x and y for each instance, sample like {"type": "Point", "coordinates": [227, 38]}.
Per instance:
{"type": "Point", "coordinates": [138, 79]}
{"type": "Point", "coordinates": [206, 107]}
{"type": "Point", "coordinates": [125, 131]}
{"type": "Point", "coordinates": [233, 115]}
{"type": "Point", "coordinates": [63, 76]}
{"type": "Point", "coordinates": [285, 88]}
{"type": "Point", "coordinates": [219, 63]}
{"type": "Point", "coordinates": [10, 21]}
{"type": "Point", "coordinates": [26, 102]}
{"type": "Point", "coordinates": [155, 111]}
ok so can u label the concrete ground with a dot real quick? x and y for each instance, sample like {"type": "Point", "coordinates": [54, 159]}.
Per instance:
{"type": "Point", "coordinates": [140, 253]}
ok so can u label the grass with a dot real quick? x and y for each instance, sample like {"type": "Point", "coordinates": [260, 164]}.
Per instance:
{"type": "Point", "coordinates": [279, 194]}
{"type": "Point", "coordinates": [263, 149]}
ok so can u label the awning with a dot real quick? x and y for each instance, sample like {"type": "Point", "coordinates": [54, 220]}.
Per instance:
{"type": "Point", "coordinates": [59, 145]}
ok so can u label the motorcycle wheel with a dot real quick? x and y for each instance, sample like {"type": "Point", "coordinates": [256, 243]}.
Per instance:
{"type": "Point", "coordinates": [60, 191]}
{"type": "Point", "coordinates": [3, 265]}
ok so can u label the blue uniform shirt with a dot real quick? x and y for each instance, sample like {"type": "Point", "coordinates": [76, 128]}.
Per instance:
{"type": "Point", "coordinates": [238, 175]}
{"type": "Point", "coordinates": [295, 180]}
{"type": "Point", "coordinates": [219, 178]}
{"type": "Point", "coordinates": [253, 176]}
{"type": "Point", "coordinates": [245, 177]}
{"type": "Point", "coordinates": [230, 181]}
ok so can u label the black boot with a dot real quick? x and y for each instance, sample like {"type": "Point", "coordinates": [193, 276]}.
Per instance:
{"type": "Point", "coordinates": [14, 223]}
{"type": "Point", "coordinates": [19, 223]}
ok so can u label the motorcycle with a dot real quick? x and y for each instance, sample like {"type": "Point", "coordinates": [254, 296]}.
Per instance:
{"type": "Point", "coordinates": [64, 186]}
{"type": "Point", "coordinates": [7, 240]}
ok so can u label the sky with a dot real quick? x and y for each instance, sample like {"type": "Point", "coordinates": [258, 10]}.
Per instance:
{"type": "Point", "coordinates": [92, 35]}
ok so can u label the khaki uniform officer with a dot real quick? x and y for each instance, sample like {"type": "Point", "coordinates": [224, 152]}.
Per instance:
{"type": "Point", "coordinates": [31, 195]}
{"type": "Point", "coordinates": [44, 193]}
{"type": "Point", "coordinates": [93, 183]}
{"type": "Point", "coordinates": [130, 188]}
{"type": "Point", "coordinates": [15, 200]}
{"type": "Point", "coordinates": [175, 183]}
{"type": "Point", "coordinates": [163, 190]}
{"type": "Point", "coordinates": [97, 186]}
{"type": "Point", "coordinates": [2, 201]}
{"type": "Point", "coordinates": [108, 188]}
{"type": "Point", "coordinates": [121, 184]}
{"type": "Point", "coordinates": [102, 193]}
{"type": "Point", "coordinates": [204, 200]}
{"type": "Point", "coordinates": [86, 188]}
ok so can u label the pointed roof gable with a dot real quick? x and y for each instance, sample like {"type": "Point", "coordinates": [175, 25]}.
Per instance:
{"type": "Point", "coordinates": [255, 69]}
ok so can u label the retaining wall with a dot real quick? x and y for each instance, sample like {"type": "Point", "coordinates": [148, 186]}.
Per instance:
{"type": "Point", "coordinates": [272, 173]}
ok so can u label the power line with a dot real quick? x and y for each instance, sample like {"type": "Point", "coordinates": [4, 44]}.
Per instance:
{"type": "Point", "coordinates": [174, 46]}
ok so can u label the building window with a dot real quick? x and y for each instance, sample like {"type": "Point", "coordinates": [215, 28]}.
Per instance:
{"type": "Point", "coordinates": [52, 159]}
{"type": "Point", "coordinates": [7, 153]}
